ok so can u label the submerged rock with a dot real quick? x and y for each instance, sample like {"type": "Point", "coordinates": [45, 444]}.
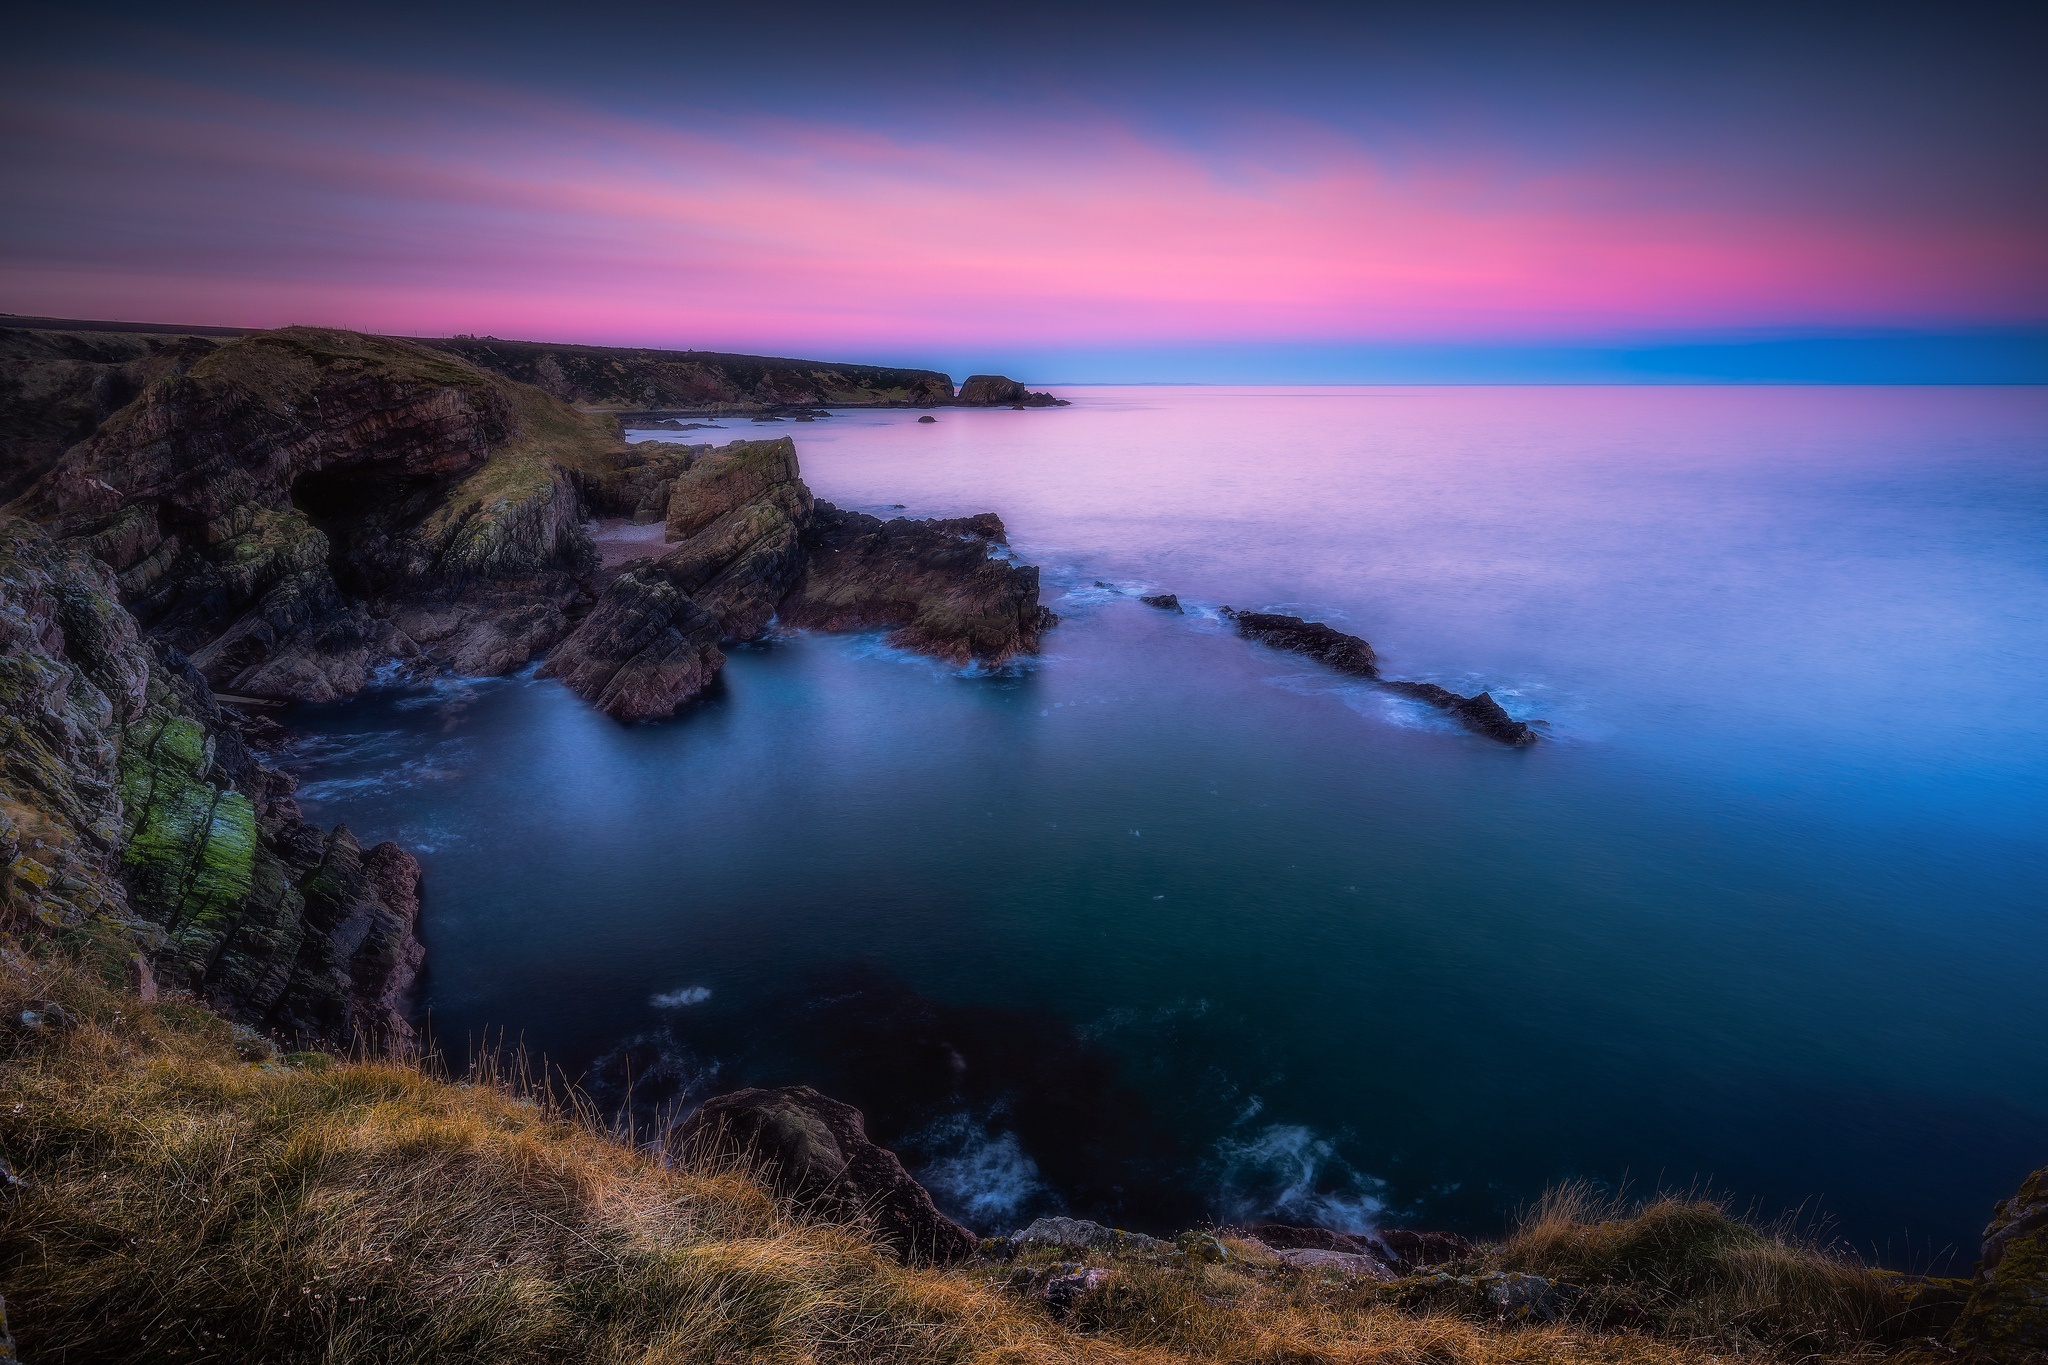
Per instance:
{"type": "Point", "coordinates": [816, 1151]}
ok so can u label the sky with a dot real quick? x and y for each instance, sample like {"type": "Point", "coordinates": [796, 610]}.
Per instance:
{"type": "Point", "coordinates": [1258, 193]}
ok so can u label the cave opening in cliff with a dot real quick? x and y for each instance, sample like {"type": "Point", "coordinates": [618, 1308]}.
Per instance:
{"type": "Point", "coordinates": [362, 508]}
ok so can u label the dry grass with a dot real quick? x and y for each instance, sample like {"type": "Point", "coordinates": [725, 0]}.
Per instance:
{"type": "Point", "coordinates": [1684, 1266]}
{"type": "Point", "coordinates": [188, 1198]}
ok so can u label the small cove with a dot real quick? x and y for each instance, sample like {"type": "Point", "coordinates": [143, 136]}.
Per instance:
{"type": "Point", "coordinates": [1163, 926]}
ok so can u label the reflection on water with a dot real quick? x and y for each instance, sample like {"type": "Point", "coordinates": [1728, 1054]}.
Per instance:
{"type": "Point", "coordinates": [1163, 926]}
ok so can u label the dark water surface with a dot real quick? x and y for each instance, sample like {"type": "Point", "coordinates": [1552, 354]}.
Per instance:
{"type": "Point", "coordinates": [1165, 926]}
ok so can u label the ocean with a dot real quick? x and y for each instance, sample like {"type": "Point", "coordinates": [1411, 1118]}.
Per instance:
{"type": "Point", "coordinates": [1162, 926]}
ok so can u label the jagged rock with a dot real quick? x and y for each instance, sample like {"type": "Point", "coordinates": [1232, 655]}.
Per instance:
{"type": "Point", "coordinates": [1349, 654]}
{"type": "Point", "coordinates": [737, 515]}
{"type": "Point", "coordinates": [2006, 1318]}
{"type": "Point", "coordinates": [816, 1151]}
{"type": "Point", "coordinates": [999, 391]}
{"type": "Point", "coordinates": [1078, 1234]}
{"type": "Point", "coordinates": [1345, 653]}
{"type": "Point", "coordinates": [1165, 601]}
{"type": "Point", "coordinates": [144, 811]}
{"type": "Point", "coordinates": [1481, 714]}
{"type": "Point", "coordinates": [935, 584]}
{"type": "Point", "coordinates": [645, 651]}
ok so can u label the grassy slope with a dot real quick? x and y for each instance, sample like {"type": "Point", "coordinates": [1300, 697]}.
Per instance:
{"type": "Point", "coordinates": [190, 1196]}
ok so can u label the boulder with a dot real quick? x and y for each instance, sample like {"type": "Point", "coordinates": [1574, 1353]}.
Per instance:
{"type": "Point", "coordinates": [927, 419]}
{"type": "Point", "coordinates": [1165, 601]}
{"type": "Point", "coordinates": [816, 1151]}
{"type": "Point", "coordinates": [2006, 1318]}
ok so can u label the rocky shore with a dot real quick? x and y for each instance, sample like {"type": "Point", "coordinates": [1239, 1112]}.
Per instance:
{"type": "Point", "coordinates": [203, 522]}
{"type": "Point", "coordinates": [285, 516]}
{"type": "Point", "coordinates": [815, 1151]}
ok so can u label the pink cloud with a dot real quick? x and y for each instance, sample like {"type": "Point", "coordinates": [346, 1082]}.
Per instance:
{"type": "Point", "coordinates": [464, 209]}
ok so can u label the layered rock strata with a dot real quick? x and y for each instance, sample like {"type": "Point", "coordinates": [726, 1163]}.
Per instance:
{"type": "Point", "coordinates": [131, 813]}
{"type": "Point", "coordinates": [1348, 654]}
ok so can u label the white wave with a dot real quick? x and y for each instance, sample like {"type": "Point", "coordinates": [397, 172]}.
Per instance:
{"type": "Point", "coordinates": [1288, 1173]}
{"type": "Point", "coordinates": [987, 1177]}
{"type": "Point", "coordinates": [677, 999]}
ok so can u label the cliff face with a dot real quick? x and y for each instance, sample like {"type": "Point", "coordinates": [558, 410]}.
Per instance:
{"type": "Point", "coordinates": [57, 385]}
{"type": "Point", "coordinates": [635, 380]}
{"type": "Point", "coordinates": [131, 810]}
{"type": "Point", "coordinates": [302, 506]}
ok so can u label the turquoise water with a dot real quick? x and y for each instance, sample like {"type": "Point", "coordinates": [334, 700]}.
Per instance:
{"type": "Point", "coordinates": [1164, 926]}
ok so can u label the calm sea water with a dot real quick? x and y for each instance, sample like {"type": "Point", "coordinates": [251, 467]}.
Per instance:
{"type": "Point", "coordinates": [1164, 926]}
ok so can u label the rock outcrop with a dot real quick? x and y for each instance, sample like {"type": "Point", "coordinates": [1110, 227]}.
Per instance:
{"type": "Point", "coordinates": [1349, 654]}
{"type": "Point", "coordinates": [2006, 1318]}
{"type": "Point", "coordinates": [816, 1151]}
{"type": "Point", "coordinates": [302, 506]}
{"type": "Point", "coordinates": [131, 811]}
{"type": "Point", "coordinates": [1000, 391]}
{"type": "Point", "coordinates": [937, 586]}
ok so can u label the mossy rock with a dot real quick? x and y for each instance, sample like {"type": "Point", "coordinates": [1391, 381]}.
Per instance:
{"type": "Point", "coordinates": [2006, 1319]}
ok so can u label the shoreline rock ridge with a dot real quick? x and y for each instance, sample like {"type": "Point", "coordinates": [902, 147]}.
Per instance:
{"type": "Point", "coordinates": [1348, 654]}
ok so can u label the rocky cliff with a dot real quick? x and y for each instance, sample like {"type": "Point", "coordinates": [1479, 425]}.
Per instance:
{"type": "Point", "coordinates": [636, 379]}
{"type": "Point", "coordinates": [58, 383]}
{"type": "Point", "coordinates": [133, 815]}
